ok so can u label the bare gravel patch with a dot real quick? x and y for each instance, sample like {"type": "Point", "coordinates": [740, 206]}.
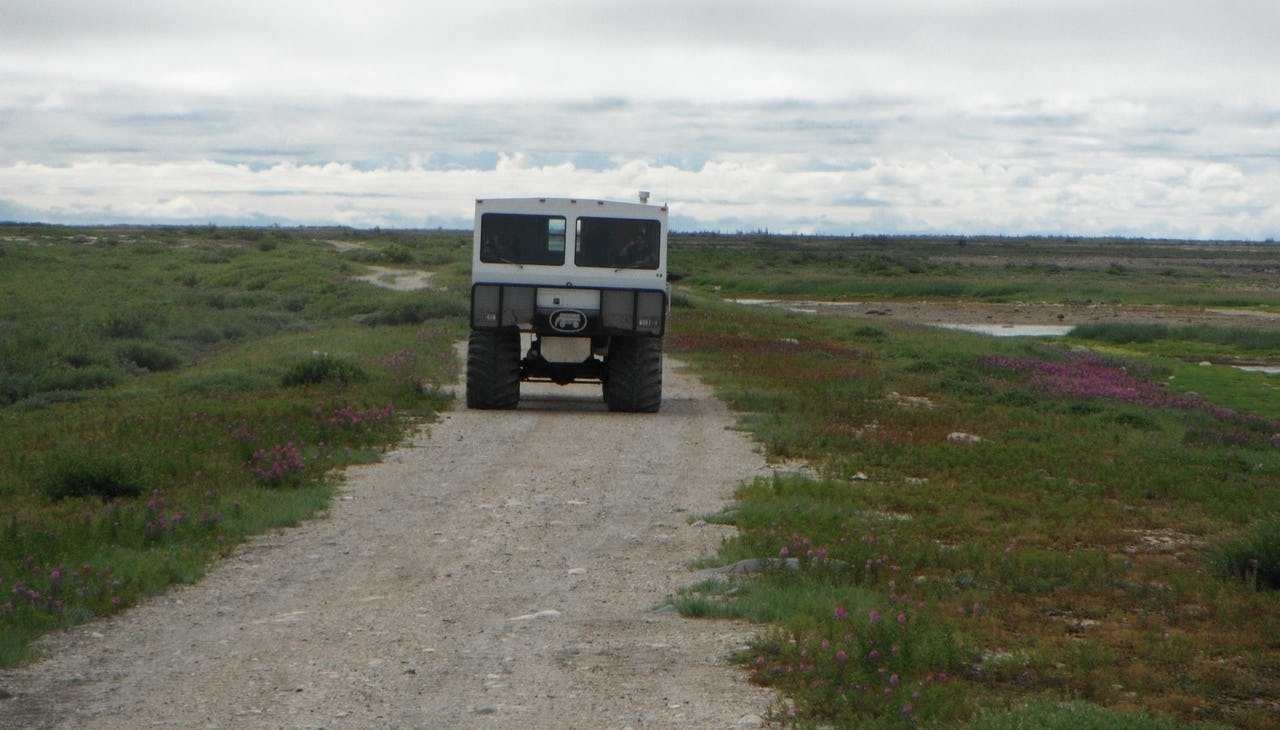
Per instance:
{"type": "Point", "coordinates": [397, 279]}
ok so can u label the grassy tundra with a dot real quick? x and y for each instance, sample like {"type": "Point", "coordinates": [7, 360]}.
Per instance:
{"type": "Point", "coordinates": [165, 393]}
{"type": "Point", "coordinates": [1001, 532]}
{"type": "Point", "coordinates": [994, 523]}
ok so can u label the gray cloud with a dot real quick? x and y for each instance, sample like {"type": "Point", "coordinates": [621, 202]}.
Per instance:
{"type": "Point", "coordinates": [1144, 117]}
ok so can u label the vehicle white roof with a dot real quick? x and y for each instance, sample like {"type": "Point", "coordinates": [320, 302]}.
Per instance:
{"type": "Point", "coordinates": [581, 206]}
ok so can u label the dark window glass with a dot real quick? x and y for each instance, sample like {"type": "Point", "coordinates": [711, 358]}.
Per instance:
{"type": "Point", "coordinates": [507, 238]}
{"type": "Point", "coordinates": [617, 243]}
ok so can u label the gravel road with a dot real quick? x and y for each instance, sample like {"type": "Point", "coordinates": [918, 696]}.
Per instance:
{"type": "Point", "coordinates": [501, 570]}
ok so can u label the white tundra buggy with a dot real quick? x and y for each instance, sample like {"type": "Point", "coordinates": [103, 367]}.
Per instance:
{"type": "Point", "coordinates": [585, 283]}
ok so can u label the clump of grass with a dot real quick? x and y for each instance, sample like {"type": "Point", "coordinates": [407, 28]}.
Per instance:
{"type": "Point", "coordinates": [323, 368]}
{"type": "Point", "coordinates": [1253, 558]}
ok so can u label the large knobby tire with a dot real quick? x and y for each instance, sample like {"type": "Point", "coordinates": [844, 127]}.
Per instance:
{"type": "Point", "coordinates": [633, 374]}
{"type": "Point", "coordinates": [493, 369]}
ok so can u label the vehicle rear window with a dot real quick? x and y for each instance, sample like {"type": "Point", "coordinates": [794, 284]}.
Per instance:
{"type": "Point", "coordinates": [507, 238]}
{"type": "Point", "coordinates": [616, 243]}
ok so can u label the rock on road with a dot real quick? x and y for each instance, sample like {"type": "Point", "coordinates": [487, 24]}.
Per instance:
{"type": "Point", "coordinates": [502, 570]}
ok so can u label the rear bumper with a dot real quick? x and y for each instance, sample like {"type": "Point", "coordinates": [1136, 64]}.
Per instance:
{"type": "Point", "coordinates": [577, 312]}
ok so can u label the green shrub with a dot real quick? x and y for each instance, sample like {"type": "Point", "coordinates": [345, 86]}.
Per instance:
{"type": "Point", "coordinates": [1070, 716]}
{"type": "Point", "coordinates": [397, 254]}
{"type": "Point", "coordinates": [84, 356]}
{"type": "Point", "coordinates": [1253, 558]}
{"type": "Point", "coordinates": [680, 300]}
{"type": "Point", "coordinates": [151, 356]}
{"type": "Point", "coordinates": [323, 368]}
{"type": "Point", "coordinates": [88, 378]}
{"type": "Point", "coordinates": [15, 387]}
{"type": "Point", "coordinates": [90, 474]}
{"type": "Point", "coordinates": [39, 401]}
{"type": "Point", "coordinates": [127, 324]}
{"type": "Point", "coordinates": [1123, 333]}
{"type": "Point", "coordinates": [209, 334]}
{"type": "Point", "coordinates": [418, 310]}
{"type": "Point", "coordinates": [226, 381]}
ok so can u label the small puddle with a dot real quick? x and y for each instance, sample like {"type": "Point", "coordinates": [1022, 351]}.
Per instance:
{"type": "Point", "coordinates": [1010, 330]}
{"type": "Point", "coordinates": [995, 330]}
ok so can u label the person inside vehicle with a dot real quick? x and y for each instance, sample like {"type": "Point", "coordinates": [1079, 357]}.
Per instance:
{"type": "Point", "coordinates": [638, 253]}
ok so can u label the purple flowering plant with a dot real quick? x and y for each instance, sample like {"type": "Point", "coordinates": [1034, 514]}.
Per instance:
{"type": "Point", "coordinates": [884, 666]}
{"type": "Point", "coordinates": [1088, 376]}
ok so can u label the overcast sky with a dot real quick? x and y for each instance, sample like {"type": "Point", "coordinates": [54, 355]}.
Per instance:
{"type": "Point", "coordinates": [1148, 118]}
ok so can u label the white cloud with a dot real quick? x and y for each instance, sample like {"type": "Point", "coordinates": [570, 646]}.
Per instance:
{"type": "Point", "coordinates": [943, 194]}
{"type": "Point", "coordinates": [1147, 117]}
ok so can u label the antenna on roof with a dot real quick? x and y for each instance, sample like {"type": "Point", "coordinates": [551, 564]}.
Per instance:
{"type": "Point", "coordinates": [644, 196]}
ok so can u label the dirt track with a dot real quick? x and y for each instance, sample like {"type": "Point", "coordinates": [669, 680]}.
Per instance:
{"type": "Point", "coordinates": [504, 570]}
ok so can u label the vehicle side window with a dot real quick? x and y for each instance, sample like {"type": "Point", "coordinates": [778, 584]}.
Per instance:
{"type": "Point", "coordinates": [616, 243]}
{"type": "Point", "coordinates": [507, 238]}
